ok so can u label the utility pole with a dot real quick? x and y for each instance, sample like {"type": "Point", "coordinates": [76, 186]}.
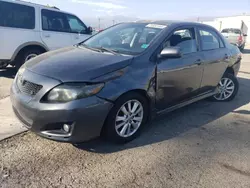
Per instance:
{"type": "Point", "coordinates": [99, 22]}
{"type": "Point", "coordinates": [113, 22]}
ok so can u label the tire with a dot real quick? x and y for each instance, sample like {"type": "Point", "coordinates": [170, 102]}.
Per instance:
{"type": "Point", "coordinates": [25, 56]}
{"type": "Point", "coordinates": [233, 84]}
{"type": "Point", "coordinates": [110, 131]}
{"type": "Point", "coordinates": [3, 65]}
{"type": "Point", "coordinates": [242, 48]}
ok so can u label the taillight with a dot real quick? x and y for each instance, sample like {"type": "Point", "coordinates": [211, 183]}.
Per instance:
{"type": "Point", "coordinates": [240, 38]}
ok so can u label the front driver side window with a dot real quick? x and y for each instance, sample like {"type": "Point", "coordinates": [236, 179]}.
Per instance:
{"type": "Point", "coordinates": [76, 26]}
{"type": "Point", "coordinates": [185, 39]}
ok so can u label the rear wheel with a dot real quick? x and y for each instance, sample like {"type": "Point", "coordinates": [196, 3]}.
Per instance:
{"type": "Point", "coordinates": [26, 56]}
{"type": "Point", "coordinates": [126, 118]}
{"type": "Point", "coordinates": [228, 88]}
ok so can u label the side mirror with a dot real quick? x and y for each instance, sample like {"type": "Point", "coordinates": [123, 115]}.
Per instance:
{"type": "Point", "coordinates": [245, 35]}
{"type": "Point", "coordinates": [170, 52]}
{"type": "Point", "coordinates": [90, 30]}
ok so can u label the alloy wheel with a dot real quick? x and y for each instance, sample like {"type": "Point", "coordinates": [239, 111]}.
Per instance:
{"type": "Point", "coordinates": [129, 118]}
{"type": "Point", "coordinates": [226, 88]}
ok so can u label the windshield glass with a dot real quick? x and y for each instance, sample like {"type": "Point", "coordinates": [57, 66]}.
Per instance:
{"type": "Point", "coordinates": [127, 38]}
{"type": "Point", "coordinates": [236, 31]}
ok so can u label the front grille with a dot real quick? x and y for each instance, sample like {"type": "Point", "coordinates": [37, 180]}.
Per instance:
{"type": "Point", "coordinates": [27, 87]}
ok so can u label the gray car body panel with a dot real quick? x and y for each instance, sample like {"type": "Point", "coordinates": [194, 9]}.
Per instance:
{"type": "Point", "coordinates": [37, 115]}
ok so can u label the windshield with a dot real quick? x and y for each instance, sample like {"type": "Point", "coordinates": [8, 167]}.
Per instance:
{"type": "Point", "coordinates": [236, 31]}
{"type": "Point", "coordinates": [127, 38]}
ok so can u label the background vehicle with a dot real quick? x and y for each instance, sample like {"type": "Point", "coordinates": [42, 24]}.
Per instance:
{"type": "Point", "coordinates": [235, 32]}
{"type": "Point", "coordinates": [112, 83]}
{"type": "Point", "coordinates": [27, 30]}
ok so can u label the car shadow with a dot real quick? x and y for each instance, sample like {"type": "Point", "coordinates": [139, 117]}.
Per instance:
{"type": "Point", "coordinates": [8, 72]}
{"type": "Point", "coordinates": [168, 126]}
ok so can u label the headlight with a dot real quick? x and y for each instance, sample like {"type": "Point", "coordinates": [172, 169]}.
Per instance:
{"type": "Point", "coordinates": [72, 91]}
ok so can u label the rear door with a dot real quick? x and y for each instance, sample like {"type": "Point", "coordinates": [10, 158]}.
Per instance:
{"type": "Point", "coordinates": [78, 29]}
{"type": "Point", "coordinates": [179, 79]}
{"type": "Point", "coordinates": [215, 55]}
{"type": "Point", "coordinates": [56, 32]}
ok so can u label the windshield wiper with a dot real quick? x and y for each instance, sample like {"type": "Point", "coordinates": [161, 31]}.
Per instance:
{"type": "Point", "coordinates": [91, 48]}
{"type": "Point", "coordinates": [100, 49]}
{"type": "Point", "coordinates": [115, 52]}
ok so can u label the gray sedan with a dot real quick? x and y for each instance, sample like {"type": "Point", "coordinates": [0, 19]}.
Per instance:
{"type": "Point", "coordinates": [113, 83]}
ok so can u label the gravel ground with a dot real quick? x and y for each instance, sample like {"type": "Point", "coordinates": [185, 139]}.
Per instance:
{"type": "Point", "coordinates": [202, 145]}
{"type": "Point", "coordinates": [6, 77]}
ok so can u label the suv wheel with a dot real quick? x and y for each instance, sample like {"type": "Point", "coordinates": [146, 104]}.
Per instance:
{"type": "Point", "coordinates": [228, 88]}
{"type": "Point", "coordinates": [126, 118]}
{"type": "Point", "coordinates": [26, 56]}
{"type": "Point", "coordinates": [3, 64]}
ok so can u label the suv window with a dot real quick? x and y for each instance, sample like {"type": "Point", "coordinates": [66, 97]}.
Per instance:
{"type": "Point", "coordinates": [54, 21]}
{"type": "Point", "coordinates": [231, 30]}
{"type": "Point", "coordinates": [185, 39]}
{"type": "Point", "coordinates": [17, 16]}
{"type": "Point", "coordinates": [76, 25]}
{"type": "Point", "coordinates": [209, 40]}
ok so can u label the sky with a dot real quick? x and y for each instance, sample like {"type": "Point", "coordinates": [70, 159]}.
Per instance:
{"type": "Point", "coordinates": [151, 9]}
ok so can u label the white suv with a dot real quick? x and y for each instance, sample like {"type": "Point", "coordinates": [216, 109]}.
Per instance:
{"type": "Point", "coordinates": [27, 30]}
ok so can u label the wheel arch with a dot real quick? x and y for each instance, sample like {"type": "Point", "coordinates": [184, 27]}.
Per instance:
{"type": "Point", "coordinates": [27, 45]}
{"type": "Point", "coordinates": [230, 70]}
{"type": "Point", "coordinates": [141, 92]}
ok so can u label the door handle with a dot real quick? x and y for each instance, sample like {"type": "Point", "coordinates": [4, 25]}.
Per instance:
{"type": "Point", "coordinates": [76, 37]}
{"type": "Point", "coordinates": [198, 62]}
{"type": "Point", "coordinates": [47, 35]}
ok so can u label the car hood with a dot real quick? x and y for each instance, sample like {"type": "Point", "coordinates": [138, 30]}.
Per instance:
{"type": "Point", "coordinates": [75, 64]}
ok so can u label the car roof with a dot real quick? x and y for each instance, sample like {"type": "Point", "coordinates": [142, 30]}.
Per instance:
{"type": "Point", "coordinates": [172, 22]}
{"type": "Point", "coordinates": [36, 5]}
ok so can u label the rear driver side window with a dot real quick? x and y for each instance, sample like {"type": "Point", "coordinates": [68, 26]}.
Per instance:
{"type": "Point", "coordinates": [209, 40]}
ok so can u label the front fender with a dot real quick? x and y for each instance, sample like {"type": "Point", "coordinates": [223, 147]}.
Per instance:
{"type": "Point", "coordinates": [132, 79]}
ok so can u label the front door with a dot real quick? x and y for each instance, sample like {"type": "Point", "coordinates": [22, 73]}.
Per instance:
{"type": "Point", "coordinates": [55, 29]}
{"type": "Point", "coordinates": [179, 79]}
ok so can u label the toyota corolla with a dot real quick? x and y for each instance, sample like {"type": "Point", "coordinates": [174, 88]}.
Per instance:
{"type": "Point", "coordinates": [117, 80]}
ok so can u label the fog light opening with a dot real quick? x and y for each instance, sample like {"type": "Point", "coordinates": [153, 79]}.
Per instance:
{"type": "Point", "coordinates": [66, 128]}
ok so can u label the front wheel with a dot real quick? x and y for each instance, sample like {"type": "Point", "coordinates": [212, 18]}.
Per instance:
{"type": "Point", "coordinates": [228, 88]}
{"type": "Point", "coordinates": [126, 118]}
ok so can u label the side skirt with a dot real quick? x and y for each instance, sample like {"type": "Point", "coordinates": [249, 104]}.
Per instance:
{"type": "Point", "coordinates": [198, 98]}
